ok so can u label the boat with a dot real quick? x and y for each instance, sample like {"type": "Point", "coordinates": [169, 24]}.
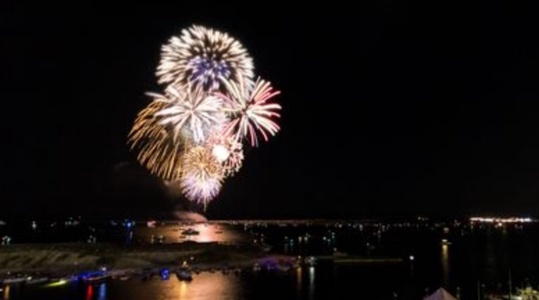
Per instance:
{"type": "Point", "coordinates": [95, 277]}
{"type": "Point", "coordinates": [147, 274]}
{"type": "Point", "coordinates": [184, 274]}
{"type": "Point", "coordinates": [14, 280]}
{"type": "Point", "coordinates": [310, 261]}
{"type": "Point", "coordinates": [124, 277]}
{"type": "Point", "coordinates": [256, 267]}
{"type": "Point", "coordinates": [265, 248]}
{"type": "Point", "coordinates": [190, 231]}
{"type": "Point", "coordinates": [36, 280]}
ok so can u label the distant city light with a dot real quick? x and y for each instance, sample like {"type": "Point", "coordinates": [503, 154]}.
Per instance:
{"type": "Point", "coordinates": [500, 220]}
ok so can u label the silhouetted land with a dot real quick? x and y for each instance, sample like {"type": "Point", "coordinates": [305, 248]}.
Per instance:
{"type": "Point", "coordinates": [76, 257]}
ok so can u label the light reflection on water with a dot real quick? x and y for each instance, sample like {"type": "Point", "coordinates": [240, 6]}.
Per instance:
{"type": "Point", "coordinates": [6, 292]}
{"type": "Point", "coordinates": [102, 295]}
{"type": "Point", "coordinates": [207, 232]}
{"type": "Point", "coordinates": [89, 292]}
{"type": "Point", "coordinates": [311, 282]}
{"type": "Point", "coordinates": [458, 267]}
{"type": "Point", "coordinates": [445, 265]}
{"type": "Point", "coordinates": [205, 285]}
{"type": "Point", "coordinates": [299, 281]}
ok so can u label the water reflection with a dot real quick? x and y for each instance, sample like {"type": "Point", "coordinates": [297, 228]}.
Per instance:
{"type": "Point", "coordinates": [200, 233]}
{"type": "Point", "coordinates": [183, 289]}
{"type": "Point", "coordinates": [495, 257]}
{"type": "Point", "coordinates": [89, 292]}
{"type": "Point", "coordinates": [445, 265]}
{"type": "Point", "coordinates": [205, 234]}
{"type": "Point", "coordinates": [299, 281]}
{"type": "Point", "coordinates": [473, 257]}
{"type": "Point", "coordinates": [102, 295]}
{"type": "Point", "coordinates": [129, 238]}
{"type": "Point", "coordinates": [6, 292]}
{"type": "Point", "coordinates": [311, 282]}
{"type": "Point", "coordinates": [205, 285]}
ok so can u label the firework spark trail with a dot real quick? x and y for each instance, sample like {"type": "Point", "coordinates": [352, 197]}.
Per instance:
{"type": "Point", "coordinates": [157, 150]}
{"type": "Point", "coordinates": [201, 56]}
{"type": "Point", "coordinates": [252, 112]}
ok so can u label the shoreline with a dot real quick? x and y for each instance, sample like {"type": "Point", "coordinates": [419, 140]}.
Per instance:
{"type": "Point", "coordinates": [78, 257]}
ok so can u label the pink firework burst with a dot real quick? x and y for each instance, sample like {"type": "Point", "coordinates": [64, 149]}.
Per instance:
{"type": "Point", "coordinates": [227, 151]}
{"type": "Point", "coordinates": [251, 110]}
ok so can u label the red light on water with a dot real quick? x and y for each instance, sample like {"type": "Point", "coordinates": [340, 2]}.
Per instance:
{"type": "Point", "coordinates": [89, 292]}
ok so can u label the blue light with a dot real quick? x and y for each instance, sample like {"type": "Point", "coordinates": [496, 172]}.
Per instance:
{"type": "Point", "coordinates": [165, 274]}
{"type": "Point", "coordinates": [102, 295]}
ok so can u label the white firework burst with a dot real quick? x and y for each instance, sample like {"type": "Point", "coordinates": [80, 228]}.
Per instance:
{"type": "Point", "coordinates": [202, 175]}
{"type": "Point", "coordinates": [191, 113]}
{"type": "Point", "coordinates": [198, 190]}
{"type": "Point", "coordinates": [202, 56]}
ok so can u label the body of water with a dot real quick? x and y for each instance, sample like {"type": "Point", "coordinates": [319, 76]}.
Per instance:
{"type": "Point", "coordinates": [420, 257]}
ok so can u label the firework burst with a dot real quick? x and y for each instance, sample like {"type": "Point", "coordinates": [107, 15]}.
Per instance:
{"type": "Point", "coordinates": [227, 151]}
{"type": "Point", "coordinates": [192, 135]}
{"type": "Point", "coordinates": [251, 110]}
{"type": "Point", "coordinates": [191, 113]}
{"type": "Point", "coordinates": [157, 150]}
{"type": "Point", "coordinates": [202, 175]}
{"type": "Point", "coordinates": [201, 56]}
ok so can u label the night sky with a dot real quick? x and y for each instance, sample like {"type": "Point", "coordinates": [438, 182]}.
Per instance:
{"type": "Point", "coordinates": [389, 109]}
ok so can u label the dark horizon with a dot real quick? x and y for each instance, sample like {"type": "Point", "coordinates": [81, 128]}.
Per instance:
{"type": "Point", "coordinates": [389, 109]}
